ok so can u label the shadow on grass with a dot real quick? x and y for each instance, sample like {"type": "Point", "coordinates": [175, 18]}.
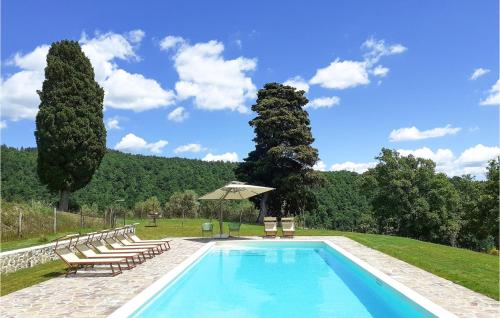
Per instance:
{"type": "Point", "coordinates": [210, 239]}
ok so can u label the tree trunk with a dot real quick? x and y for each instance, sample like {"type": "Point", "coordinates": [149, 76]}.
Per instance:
{"type": "Point", "coordinates": [263, 208]}
{"type": "Point", "coordinates": [64, 200]}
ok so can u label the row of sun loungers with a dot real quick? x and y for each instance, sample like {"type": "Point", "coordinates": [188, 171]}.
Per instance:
{"type": "Point", "coordinates": [118, 248]}
{"type": "Point", "coordinates": [271, 226]}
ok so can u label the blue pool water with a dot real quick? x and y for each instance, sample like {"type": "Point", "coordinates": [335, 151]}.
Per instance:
{"type": "Point", "coordinates": [288, 279]}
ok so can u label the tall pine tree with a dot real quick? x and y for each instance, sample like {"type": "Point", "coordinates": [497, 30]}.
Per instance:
{"type": "Point", "coordinates": [70, 132]}
{"type": "Point", "coordinates": [283, 157]}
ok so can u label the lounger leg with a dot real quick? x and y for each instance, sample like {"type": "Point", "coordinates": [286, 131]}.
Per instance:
{"type": "Point", "coordinates": [112, 269]}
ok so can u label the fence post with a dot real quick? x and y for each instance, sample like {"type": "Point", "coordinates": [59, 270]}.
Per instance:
{"type": "Point", "coordinates": [55, 220]}
{"type": "Point", "coordinates": [19, 228]}
{"type": "Point", "coordinates": [81, 218]}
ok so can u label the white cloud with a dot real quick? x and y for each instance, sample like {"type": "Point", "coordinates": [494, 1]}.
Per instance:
{"type": "Point", "coordinates": [171, 41]}
{"type": "Point", "coordinates": [478, 72]}
{"type": "Point", "coordinates": [178, 115]}
{"type": "Point", "coordinates": [440, 156]}
{"type": "Point", "coordinates": [228, 156]}
{"type": "Point", "coordinates": [413, 133]}
{"type": "Point", "coordinates": [297, 82]}
{"type": "Point", "coordinates": [380, 71]}
{"type": "Point", "coordinates": [113, 123]}
{"type": "Point", "coordinates": [189, 148]}
{"type": "Point", "coordinates": [319, 166]}
{"type": "Point", "coordinates": [377, 48]}
{"type": "Point", "coordinates": [123, 90]}
{"type": "Point", "coordinates": [478, 154]}
{"type": "Point", "coordinates": [136, 36]}
{"type": "Point", "coordinates": [473, 160]}
{"type": "Point", "coordinates": [134, 92]}
{"type": "Point", "coordinates": [19, 99]}
{"type": "Point", "coordinates": [493, 98]}
{"type": "Point", "coordinates": [214, 82]}
{"type": "Point", "coordinates": [341, 75]}
{"type": "Point", "coordinates": [352, 166]}
{"type": "Point", "coordinates": [323, 102]}
{"type": "Point", "coordinates": [135, 144]}
{"type": "Point", "coordinates": [3, 124]}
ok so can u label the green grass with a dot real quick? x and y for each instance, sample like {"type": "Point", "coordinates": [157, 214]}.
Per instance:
{"type": "Point", "coordinates": [30, 276]}
{"type": "Point", "coordinates": [476, 271]}
{"type": "Point", "coordinates": [47, 238]}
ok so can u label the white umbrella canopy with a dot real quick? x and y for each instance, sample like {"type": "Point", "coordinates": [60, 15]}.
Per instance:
{"type": "Point", "coordinates": [234, 191]}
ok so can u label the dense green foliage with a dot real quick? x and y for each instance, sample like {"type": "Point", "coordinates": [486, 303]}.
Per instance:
{"type": "Point", "coordinates": [414, 201]}
{"type": "Point", "coordinates": [70, 132]}
{"type": "Point", "coordinates": [410, 199]}
{"type": "Point", "coordinates": [341, 204]}
{"type": "Point", "coordinates": [283, 157]}
{"type": "Point", "coordinates": [133, 178]}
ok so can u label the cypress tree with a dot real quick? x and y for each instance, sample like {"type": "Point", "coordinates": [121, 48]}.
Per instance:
{"type": "Point", "coordinates": [70, 132]}
{"type": "Point", "coordinates": [283, 157]}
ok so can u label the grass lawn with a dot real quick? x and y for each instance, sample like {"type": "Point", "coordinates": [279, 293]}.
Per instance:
{"type": "Point", "coordinates": [13, 245]}
{"type": "Point", "coordinates": [476, 271]}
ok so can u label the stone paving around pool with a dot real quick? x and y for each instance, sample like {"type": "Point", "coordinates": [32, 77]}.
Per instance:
{"type": "Point", "coordinates": [89, 295]}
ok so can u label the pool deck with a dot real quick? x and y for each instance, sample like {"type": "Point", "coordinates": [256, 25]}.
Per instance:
{"type": "Point", "coordinates": [89, 294]}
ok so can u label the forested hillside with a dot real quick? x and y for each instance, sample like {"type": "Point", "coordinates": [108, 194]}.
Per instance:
{"type": "Point", "coordinates": [401, 196]}
{"type": "Point", "coordinates": [120, 176]}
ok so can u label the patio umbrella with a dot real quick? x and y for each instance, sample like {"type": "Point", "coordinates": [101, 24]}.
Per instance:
{"type": "Point", "coordinates": [234, 191]}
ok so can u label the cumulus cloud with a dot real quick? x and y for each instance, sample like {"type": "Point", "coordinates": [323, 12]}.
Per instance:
{"type": "Point", "coordinates": [297, 82]}
{"type": "Point", "coordinates": [136, 36]}
{"type": "Point", "coordinates": [123, 90]}
{"type": "Point", "coordinates": [134, 144]}
{"type": "Point", "coordinates": [323, 102]}
{"type": "Point", "coordinates": [3, 124]}
{"type": "Point", "coordinates": [170, 41]}
{"type": "Point", "coordinates": [205, 75]}
{"type": "Point", "coordinates": [440, 156]}
{"type": "Point", "coordinates": [380, 71]}
{"type": "Point", "coordinates": [413, 133]}
{"type": "Point", "coordinates": [352, 166]}
{"type": "Point", "coordinates": [493, 99]}
{"type": "Point", "coordinates": [178, 115]}
{"type": "Point", "coordinates": [19, 99]}
{"type": "Point", "coordinates": [342, 74]}
{"type": "Point", "coordinates": [319, 166]}
{"type": "Point", "coordinates": [478, 72]}
{"type": "Point", "coordinates": [189, 148]}
{"type": "Point", "coordinates": [113, 123]}
{"type": "Point", "coordinates": [375, 49]}
{"type": "Point", "coordinates": [228, 156]}
{"type": "Point", "coordinates": [473, 160]}
{"type": "Point", "coordinates": [134, 92]}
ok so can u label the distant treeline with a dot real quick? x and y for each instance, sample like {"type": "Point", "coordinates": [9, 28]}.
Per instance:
{"type": "Point", "coordinates": [401, 196]}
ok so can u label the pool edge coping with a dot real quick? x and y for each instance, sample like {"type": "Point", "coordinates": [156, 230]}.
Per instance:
{"type": "Point", "coordinates": [146, 294]}
{"type": "Point", "coordinates": [132, 305]}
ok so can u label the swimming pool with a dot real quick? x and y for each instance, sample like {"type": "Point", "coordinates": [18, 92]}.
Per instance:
{"type": "Point", "coordinates": [277, 279]}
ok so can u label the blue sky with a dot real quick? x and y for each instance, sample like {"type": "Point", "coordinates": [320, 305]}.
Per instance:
{"type": "Point", "coordinates": [180, 76]}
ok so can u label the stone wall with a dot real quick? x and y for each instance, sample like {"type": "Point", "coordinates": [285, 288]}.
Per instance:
{"type": "Point", "coordinates": [15, 260]}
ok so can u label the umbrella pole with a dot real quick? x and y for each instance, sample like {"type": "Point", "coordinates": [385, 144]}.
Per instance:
{"type": "Point", "coordinates": [221, 229]}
